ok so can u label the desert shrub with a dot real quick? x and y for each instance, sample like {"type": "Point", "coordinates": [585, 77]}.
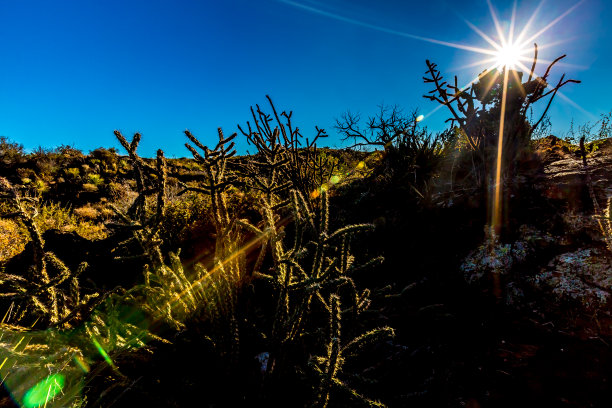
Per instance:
{"type": "Point", "coordinates": [412, 155]}
{"type": "Point", "coordinates": [55, 216]}
{"type": "Point", "coordinates": [72, 173]}
{"type": "Point", "coordinates": [39, 186]}
{"type": "Point", "coordinates": [68, 155]}
{"type": "Point", "coordinates": [590, 131]}
{"type": "Point", "coordinates": [87, 212]}
{"type": "Point", "coordinates": [182, 217]}
{"type": "Point", "coordinates": [90, 188]}
{"type": "Point", "coordinates": [44, 161]}
{"type": "Point", "coordinates": [25, 173]}
{"type": "Point", "coordinates": [11, 154]}
{"type": "Point", "coordinates": [120, 193]}
{"type": "Point", "coordinates": [95, 179]}
{"type": "Point", "coordinates": [107, 161]}
{"type": "Point", "coordinates": [12, 239]}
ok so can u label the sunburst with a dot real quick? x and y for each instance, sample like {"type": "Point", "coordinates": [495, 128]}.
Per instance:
{"type": "Point", "coordinates": [507, 55]}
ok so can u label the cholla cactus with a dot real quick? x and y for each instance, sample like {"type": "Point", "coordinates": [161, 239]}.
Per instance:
{"type": "Point", "coordinates": [295, 159]}
{"type": "Point", "coordinates": [149, 181]}
{"type": "Point", "coordinates": [313, 266]}
{"type": "Point", "coordinates": [315, 262]}
{"type": "Point", "coordinates": [329, 366]}
{"type": "Point", "coordinates": [51, 294]}
{"type": "Point", "coordinates": [228, 259]}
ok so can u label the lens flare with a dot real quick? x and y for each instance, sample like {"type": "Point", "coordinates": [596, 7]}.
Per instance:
{"type": "Point", "coordinates": [44, 391]}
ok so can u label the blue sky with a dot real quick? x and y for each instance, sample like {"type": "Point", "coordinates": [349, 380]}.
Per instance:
{"type": "Point", "coordinates": [73, 71]}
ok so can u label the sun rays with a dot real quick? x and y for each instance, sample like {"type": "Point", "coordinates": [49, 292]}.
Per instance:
{"type": "Point", "coordinates": [508, 51]}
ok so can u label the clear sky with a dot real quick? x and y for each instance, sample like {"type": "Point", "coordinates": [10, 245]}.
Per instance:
{"type": "Point", "coordinates": [73, 71]}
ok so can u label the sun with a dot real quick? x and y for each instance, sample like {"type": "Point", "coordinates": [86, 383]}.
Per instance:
{"type": "Point", "coordinates": [509, 56]}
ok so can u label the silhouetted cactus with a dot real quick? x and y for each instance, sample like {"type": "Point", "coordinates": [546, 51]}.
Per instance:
{"type": "Point", "coordinates": [296, 159]}
{"type": "Point", "coordinates": [476, 110]}
{"type": "Point", "coordinates": [149, 181]}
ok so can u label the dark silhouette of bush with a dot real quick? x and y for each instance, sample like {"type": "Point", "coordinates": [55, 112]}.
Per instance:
{"type": "Point", "coordinates": [476, 113]}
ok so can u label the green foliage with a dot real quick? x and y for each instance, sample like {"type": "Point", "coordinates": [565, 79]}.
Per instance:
{"type": "Point", "coordinates": [95, 179]}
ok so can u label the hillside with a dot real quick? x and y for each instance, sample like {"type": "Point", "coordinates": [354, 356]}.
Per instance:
{"type": "Point", "coordinates": [451, 315]}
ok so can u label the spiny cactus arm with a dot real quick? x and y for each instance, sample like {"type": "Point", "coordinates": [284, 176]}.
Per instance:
{"type": "Point", "coordinates": [325, 279]}
{"type": "Point", "coordinates": [64, 272]}
{"type": "Point", "coordinates": [301, 209]}
{"type": "Point", "coordinates": [333, 359]}
{"type": "Point", "coordinates": [293, 264]}
{"type": "Point", "coordinates": [436, 78]}
{"type": "Point", "coordinates": [362, 302]}
{"type": "Point", "coordinates": [339, 385]}
{"type": "Point", "coordinates": [536, 92]}
{"type": "Point", "coordinates": [136, 160]}
{"type": "Point", "coordinates": [282, 127]}
{"type": "Point", "coordinates": [81, 313]}
{"type": "Point", "coordinates": [123, 141]}
{"type": "Point", "coordinates": [320, 134]}
{"type": "Point", "coordinates": [349, 230]}
{"type": "Point", "coordinates": [135, 142]}
{"type": "Point", "coordinates": [358, 344]}
{"type": "Point", "coordinates": [371, 263]}
{"type": "Point", "coordinates": [195, 141]}
{"type": "Point", "coordinates": [346, 259]}
{"type": "Point", "coordinates": [162, 174]}
{"type": "Point", "coordinates": [223, 141]}
{"type": "Point", "coordinates": [324, 215]}
{"type": "Point", "coordinates": [196, 155]}
{"type": "Point", "coordinates": [283, 279]}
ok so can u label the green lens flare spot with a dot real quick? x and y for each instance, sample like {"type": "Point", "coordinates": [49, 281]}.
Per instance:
{"type": "Point", "coordinates": [103, 353]}
{"type": "Point", "coordinates": [44, 391]}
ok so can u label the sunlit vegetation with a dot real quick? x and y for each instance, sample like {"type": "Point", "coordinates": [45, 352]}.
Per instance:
{"type": "Point", "coordinates": [305, 276]}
